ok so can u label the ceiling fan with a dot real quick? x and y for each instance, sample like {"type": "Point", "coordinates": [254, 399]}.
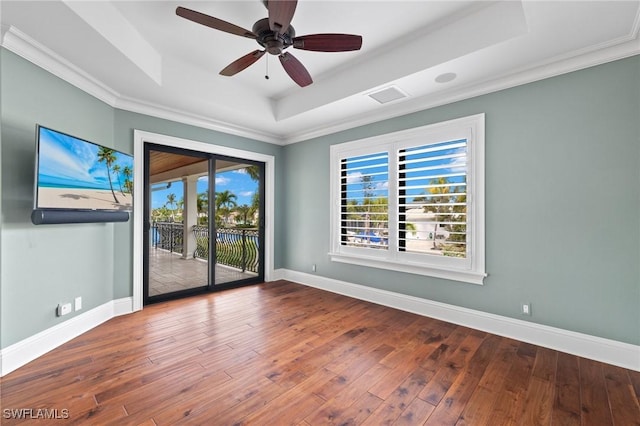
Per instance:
{"type": "Point", "coordinates": [275, 34]}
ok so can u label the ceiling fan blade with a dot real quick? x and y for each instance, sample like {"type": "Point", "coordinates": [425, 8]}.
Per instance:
{"type": "Point", "coordinates": [295, 69]}
{"type": "Point", "coordinates": [211, 22]}
{"type": "Point", "coordinates": [240, 64]}
{"type": "Point", "coordinates": [328, 42]}
{"type": "Point", "coordinates": [280, 14]}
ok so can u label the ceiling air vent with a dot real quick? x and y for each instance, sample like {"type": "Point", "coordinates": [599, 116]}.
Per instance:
{"type": "Point", "coordinates": [388, 94]}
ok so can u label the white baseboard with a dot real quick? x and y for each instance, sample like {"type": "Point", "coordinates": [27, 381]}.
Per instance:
{"type": "Point", "coordinates": [122, 306]}
{"type": "Point", "coordinates": [25, 351]}
{"type": "Point", "coordinates": [278, 274]}
{"type": "Point", "coordinates": [597, 348]}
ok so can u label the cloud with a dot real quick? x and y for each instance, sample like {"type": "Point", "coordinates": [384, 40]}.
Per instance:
{"type": "Point", "coordinates": [221, 180]}
{"type": "Point", "coordinates": [458, 164]}
{"type": "Point", "coordinates": [354, 177]}
{"type": "Point", "coordinates": [58, 161]}
{"type": "Point", "coordinates": [246, 193]}
{"type": "Point", "coordinates": [382, 185]}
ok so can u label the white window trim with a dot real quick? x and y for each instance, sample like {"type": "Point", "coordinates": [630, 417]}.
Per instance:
{"type": "Point", "coordinates": [474, 270]}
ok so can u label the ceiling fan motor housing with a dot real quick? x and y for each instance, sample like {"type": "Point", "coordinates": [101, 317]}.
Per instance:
{"type": "Point", "coordinates": [273, 42]}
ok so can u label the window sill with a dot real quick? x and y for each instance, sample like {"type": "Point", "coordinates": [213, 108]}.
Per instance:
{"type": "Point", "coordinates": [468, 276]}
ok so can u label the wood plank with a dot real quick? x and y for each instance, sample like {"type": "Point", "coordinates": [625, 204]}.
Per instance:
{"type": "Point", "coordinates": [635, 382]}
{"type": "Point", "coordinates": [595, 402]}
{"type": "Point", "coordinates": [480, 405]}
{"type": "Point", "coordinates": [334, 407]}
{"type": "Point", "coordinates": [540, 394]}
{"type": "Point", "coordinates": [359, 364]}
{"type": "Point", "coordinates": [294, 405]}
{"type": "Point", "coordinates": [416, 413]}
{"type": "Point", "coordinates": [625, 409]}
{"type": "Point", "coordinates": [454, 365]}
{"type": "Point", "coordinates": [463, 387]}
{"type": "Point", "coordinates": [512, 394]}
{"type": "Point", "coordinates": [358, 412]}
{"type": "Point", "coordinates": [399, 400]}
{"type": "Point", "coordinates": [566, 406]}
{"type": "Point", "coordinates": [231, 400]}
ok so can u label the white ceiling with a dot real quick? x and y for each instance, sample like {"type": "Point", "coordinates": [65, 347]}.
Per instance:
{"type": "Point", "coordinates": [140, 56]}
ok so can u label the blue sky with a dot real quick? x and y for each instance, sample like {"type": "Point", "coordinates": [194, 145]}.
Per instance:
{"type": "Point", "coordinates": [236, 181]}
{"type": "Point", "coordinates": [423, 163]}
{"type": "Point", "coordinates": [65, 161]}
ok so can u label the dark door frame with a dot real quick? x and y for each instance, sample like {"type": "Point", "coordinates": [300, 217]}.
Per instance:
{"type": "Point", "coordinates": [141, 138]}
{"type": "Point", "coordinates": [211, 286]}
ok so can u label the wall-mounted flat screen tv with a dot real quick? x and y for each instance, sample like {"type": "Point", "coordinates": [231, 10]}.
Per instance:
{"type": "Point", "coordinates": [75, 174]}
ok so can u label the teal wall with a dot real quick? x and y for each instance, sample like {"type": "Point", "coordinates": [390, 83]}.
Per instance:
{"type": "Point", "coordinates": [563, 196]}
{"type": "Point", "coordinates": [42, 266]}
{"type": "Point", "coordinates": [562, 203]}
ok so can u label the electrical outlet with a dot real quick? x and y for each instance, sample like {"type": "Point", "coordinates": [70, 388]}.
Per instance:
{"type": "Point", "coordinates": [78, 303]}
{"type": "Point", "coordinates": [526, 309]}
{"type": "Point", "coordinates": [313, 267]}
{"type": "Point", "coordinates": [63, 309]}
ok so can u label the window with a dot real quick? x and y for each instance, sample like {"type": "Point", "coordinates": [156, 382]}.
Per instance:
{"type": "Point", "coordinates": [412, 201]}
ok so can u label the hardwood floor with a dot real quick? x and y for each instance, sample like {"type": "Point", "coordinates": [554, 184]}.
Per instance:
{"type": "Point", "coordinates": [282, 353]}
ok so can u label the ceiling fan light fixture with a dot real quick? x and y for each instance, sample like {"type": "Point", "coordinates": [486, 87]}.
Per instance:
{"type": "Point", "coordinates": [387, 94]}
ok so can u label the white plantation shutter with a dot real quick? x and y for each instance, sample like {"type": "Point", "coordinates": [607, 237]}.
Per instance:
{"type": "Point", "coordinates": [402, 201]}
{"type": "Point", "coordinates": [364, 183]}
{"type": "Point", "coordinates": [432, 199]}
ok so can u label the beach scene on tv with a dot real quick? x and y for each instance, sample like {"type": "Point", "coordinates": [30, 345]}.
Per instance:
{"type": "Point", "coordinates": [76, 174]}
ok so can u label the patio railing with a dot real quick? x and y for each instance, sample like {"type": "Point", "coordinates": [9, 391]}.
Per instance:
{"type": "Point", "coordinates": [167, 236]}
{"type": "Point", "coordinates": [237, 248]}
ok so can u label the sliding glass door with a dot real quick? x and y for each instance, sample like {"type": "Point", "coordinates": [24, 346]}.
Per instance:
{"type": "Point", "coordinates": [193, 245]}
{"type": "Point", "coordinates": [238, 206]}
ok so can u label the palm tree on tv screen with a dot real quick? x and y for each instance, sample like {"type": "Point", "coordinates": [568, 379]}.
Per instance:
{"type": "Point", "coordinates": [128, 184]}
{"type": "Point", "coordinates": [116, 169]}
{"type": "Point", "coordinates": [108, 156]}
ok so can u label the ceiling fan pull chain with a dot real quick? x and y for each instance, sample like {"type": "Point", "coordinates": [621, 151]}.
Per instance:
{"type": "Point", "coordinates": [266, 75]}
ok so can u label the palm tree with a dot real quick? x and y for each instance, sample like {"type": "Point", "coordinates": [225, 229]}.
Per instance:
{"type": "Point", "coordinates": [180, 209]}
{"type": "Point", "coordinates": [244, 210]}
{"type": "Point", "coordinates": [160, 214]}
{"type": "Point", "coordinates": [225, 201]}
{"type": "Point", "coordinates": [448, 202]}
{"type": "Point", "coordinates": [108, 156]}
{"type": "Point", "coordinates": [255, 206]}
{"type": "Point", "coordinates": [253, 172]}
{"type": "Point", "coordinates": [202, 205]}
{"type": "Point", "coordinates": [171, 200]}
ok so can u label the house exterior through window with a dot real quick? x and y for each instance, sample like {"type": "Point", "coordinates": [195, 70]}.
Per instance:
{"type": "Point", "coordinates": [412, 201]}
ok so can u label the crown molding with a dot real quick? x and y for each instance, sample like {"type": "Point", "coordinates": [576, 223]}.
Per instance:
{"type": "Point", "coordinates": [608, 52]}
{"type": "Point", "coordinates": [26, 47]}
{"type": "Point", "coordinates": [22, 45]}
{"type": "Point", "coordinates": [31, 50]}
{"type": "Point", "coordinates": [184, 117]}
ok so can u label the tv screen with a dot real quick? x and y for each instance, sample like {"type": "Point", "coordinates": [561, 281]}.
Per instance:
{"type": "Point", "coordinates": [74, 174]}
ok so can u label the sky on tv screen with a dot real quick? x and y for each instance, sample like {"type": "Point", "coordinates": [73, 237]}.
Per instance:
{"type": "Point", "coordinates": [68, 162]}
